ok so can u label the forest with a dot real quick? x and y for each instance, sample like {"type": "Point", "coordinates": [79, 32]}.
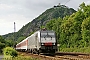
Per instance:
{"type": "Point", "coordinates": [73, 31]}
{"type": "Point", "coordinates": [5, 43]}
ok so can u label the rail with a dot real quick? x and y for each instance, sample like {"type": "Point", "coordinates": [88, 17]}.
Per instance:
{"type": "Point", "coordinates": [60, 56]}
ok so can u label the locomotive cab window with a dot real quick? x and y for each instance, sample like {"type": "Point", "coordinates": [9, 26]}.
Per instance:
{"type": "Point", "coordinates": [47, 35]}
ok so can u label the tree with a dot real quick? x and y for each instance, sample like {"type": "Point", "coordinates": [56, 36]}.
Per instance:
{"type": "Point", "coordinates": [55, 26]}
{"type": "Point", "coordinates": [49, 25]}
{"type": "Point", "coordinates": [9, 43]}
{"type": "Point", "coordinates": [74, 30]}
{"type": "Point", "coordinates": [2, 43]}
{"type": "Point", "coordinates": [71, 33]}
{"type": "Point", "coordinates": [86, 31]}
{"type": "Point", "coordinates": [2, 39]}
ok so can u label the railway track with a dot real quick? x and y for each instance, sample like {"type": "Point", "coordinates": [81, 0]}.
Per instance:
{"type": "Point", "coordinates": [59, 56]}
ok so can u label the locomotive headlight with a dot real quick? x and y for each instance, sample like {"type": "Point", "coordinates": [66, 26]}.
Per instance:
{"type": "Point", "coordinates": [53, 43]}
{"type": "Point", "coordinates": [42, 43]}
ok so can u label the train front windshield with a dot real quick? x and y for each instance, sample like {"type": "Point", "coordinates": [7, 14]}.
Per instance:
{"type": "Point", "coordinates": [48, 36]}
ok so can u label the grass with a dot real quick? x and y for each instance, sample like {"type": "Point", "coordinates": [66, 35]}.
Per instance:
{"type": "Point", "coordinates": [22, 57]}
{"type": "Point", "coordinates": [19, 58]}
{"type": "Point", "coordinates": [80, 50]}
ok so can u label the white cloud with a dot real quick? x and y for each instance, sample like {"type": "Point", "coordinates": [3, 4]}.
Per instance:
{"type": "Point", "coordinates": [5, 7]}
{"type": "Point", "coordinates": [87, 2]}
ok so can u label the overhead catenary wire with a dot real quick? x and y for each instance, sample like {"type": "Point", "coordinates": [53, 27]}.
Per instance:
{"type": "Point", "coordinates": [67, 2]}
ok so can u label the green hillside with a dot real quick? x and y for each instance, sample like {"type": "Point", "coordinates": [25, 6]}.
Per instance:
{"type": "Point", "coordinates": [55, 12]}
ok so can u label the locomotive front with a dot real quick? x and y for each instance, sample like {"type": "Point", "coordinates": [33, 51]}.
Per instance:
{"type": "Point", "coordinates": [48, 41]}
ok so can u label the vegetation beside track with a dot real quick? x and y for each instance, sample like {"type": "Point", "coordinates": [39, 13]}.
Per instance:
{"type": "Point", "coordinates": [79, 50]}
{"type": "Point", "coordinates": [20, 58]}
{"type": "Point", "coordinates": [12, 54]}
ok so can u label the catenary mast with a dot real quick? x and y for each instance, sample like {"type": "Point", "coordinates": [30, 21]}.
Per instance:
{"type": "Point", "coordinates": [14, 35]}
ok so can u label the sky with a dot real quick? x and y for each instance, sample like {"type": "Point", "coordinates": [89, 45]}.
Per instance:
{"type": "Point", "coordinates": [24, 11]}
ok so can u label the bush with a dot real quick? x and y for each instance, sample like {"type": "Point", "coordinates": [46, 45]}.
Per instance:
{"type": "Point", "coordinates": [9, 51]}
